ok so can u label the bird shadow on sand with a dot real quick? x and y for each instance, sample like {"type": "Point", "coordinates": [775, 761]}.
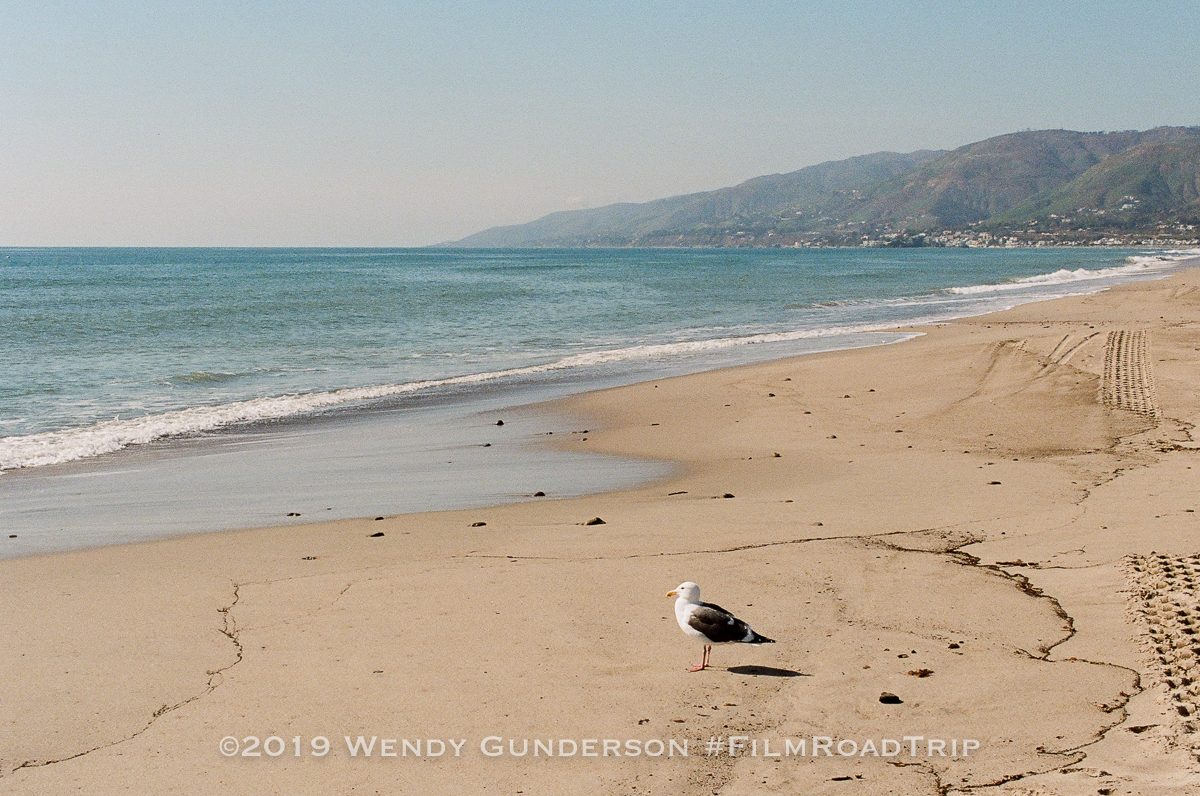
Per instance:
{"type": "Point", "coordinates": [766, 671]}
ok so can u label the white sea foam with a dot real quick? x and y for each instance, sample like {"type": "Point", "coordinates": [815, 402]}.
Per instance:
{"type": "Point", "coordinates": [1137, 265]}
{"type": "Point", "coordinates": [57, 447]}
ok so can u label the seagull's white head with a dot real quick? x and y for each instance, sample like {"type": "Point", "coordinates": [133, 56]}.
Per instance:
{"type": "Point", "coordinates": [687, 591]}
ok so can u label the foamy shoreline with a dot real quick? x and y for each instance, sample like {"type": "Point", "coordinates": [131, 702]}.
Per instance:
{"type": "Point", "coordinates": [71, 444]}
{"type": "Point", "coordinates": [342, 466]}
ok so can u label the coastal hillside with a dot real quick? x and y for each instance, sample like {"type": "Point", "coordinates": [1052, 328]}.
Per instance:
{"type": "Point", "coordinates": [1056, 186]}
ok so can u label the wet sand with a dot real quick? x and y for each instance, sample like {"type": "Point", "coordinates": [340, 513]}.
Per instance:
{"type": "Point", "coordinates": [997, 522]}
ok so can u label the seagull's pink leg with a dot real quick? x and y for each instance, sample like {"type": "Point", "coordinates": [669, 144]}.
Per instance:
{"type": "Point", "coordinates": [703, 664]}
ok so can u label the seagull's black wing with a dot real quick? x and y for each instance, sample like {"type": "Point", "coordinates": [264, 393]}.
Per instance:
{"type": "Point", "coordinates": [720, 626]}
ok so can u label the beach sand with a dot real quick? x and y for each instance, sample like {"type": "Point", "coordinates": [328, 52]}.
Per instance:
{"type": "Point", "coordinates": [1006, 505]}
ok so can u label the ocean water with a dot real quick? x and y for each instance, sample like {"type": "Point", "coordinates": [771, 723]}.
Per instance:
{"type": "Point", "coordinates": [106, 348]}
{"type": "Point", "coordinates": [134, 360]}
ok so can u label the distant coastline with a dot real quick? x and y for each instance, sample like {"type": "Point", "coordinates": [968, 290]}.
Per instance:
{"type": "Point", "coordinates": [1031, 188]}
{"type": "Point", "coordinates": [949, 240]}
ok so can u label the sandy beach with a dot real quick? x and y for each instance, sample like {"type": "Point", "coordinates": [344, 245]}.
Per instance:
{"type": "Point", "coordinates": [996, 522]}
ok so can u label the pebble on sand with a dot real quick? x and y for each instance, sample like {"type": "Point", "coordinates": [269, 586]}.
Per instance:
{"type": "Point", "coordinates": [595, 521]}
{"type": "Point", "coordinates": [478, 524]}
{"type": "Point", "coordinates": [888, 698]}
{"type": "Point", "coordinates": [375, 535]}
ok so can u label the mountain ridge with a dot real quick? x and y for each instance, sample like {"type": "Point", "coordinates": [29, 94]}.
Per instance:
{"type": "Point", "coordinates": [1051, 185]}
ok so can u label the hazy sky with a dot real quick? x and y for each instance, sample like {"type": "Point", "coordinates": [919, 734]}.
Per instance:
{"type": "Point", "coordinates": [405, 123]}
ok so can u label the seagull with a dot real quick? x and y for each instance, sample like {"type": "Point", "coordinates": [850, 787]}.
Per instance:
{"type": "Point", "coordinates": [709, 624]}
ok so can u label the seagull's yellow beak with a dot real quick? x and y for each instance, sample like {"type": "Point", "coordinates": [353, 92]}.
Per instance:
{"type": "Point", "coordinates": [672, 593]}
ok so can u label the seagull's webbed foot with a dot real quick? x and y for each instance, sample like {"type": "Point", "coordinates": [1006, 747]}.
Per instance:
{"type": "Point", "coordinates": [699, 667]}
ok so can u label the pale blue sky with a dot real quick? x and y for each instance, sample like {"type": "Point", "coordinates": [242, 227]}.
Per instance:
{"type": "Point", "coordinates": [405, 123]}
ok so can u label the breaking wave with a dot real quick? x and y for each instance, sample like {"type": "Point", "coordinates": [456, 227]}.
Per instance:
{"type": "Point", "coordinates": [58, 447]}
{"type": "Point", "coordinates": [1135, 266]}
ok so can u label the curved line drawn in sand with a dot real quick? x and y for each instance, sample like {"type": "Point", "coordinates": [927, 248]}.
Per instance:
{"type": "Point", "coordinates": [1128, 381]}
{"type": "Point", "coordinates": [1165, 595]}
{"type": "Point", "coordinates": [1071, 350]}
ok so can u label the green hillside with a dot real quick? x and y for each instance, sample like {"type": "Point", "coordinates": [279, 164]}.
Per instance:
{"type": "Point", "coordinates": [1049, 179]}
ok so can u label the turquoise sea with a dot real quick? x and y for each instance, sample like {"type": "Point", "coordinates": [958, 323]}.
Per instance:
{"type": "Point", "coordinates": [111, 354]}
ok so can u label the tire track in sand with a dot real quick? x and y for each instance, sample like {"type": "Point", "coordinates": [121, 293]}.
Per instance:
{"type": "Point", "coordinates": [1128, 381]}
{"type": "Point", "coordinates": [1165, 603]}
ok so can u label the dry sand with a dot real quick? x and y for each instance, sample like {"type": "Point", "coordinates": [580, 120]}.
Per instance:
{"type": "Point", "coordinates": [1008, 502]}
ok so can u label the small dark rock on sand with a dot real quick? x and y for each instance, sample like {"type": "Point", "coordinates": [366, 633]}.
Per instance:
{"type": "Point", "coordinates": [727, 495]}
{"type": "Point", "coordinates": [595, 521]}
{"type": "Point", "coordinates": [12, 536]}
{"type": "Point", "coordinates": [499, 422]}
{"type": "Point", "coordinates": [377, 519]}
{"type": "Point", "coordinates": [539, 493]}
{"type": "Point", "coordinates": [920, 672]}
{"type": "Point", "coordinates": [478, 524]}
{"type": "Point", "coordinates": [888, 698]}
{"type": "Point", "coordinates": [375, 535]}
{"type": "Point", "coordinates": [680, 492]}
{"type": "Point", "coordinates": [309, 558]}
{"type": "Point", "coordinates": [993, 483]}
{"type": "Point", "coordinates": [293, 514]}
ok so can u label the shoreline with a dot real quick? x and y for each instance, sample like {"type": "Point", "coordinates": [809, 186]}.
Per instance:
{"type": "Point", "coordinates": [988, 457]}
{"type": "Point", "coordinates": [44, 505]}
{"type": "Point", "coordinates": [90, 439]}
